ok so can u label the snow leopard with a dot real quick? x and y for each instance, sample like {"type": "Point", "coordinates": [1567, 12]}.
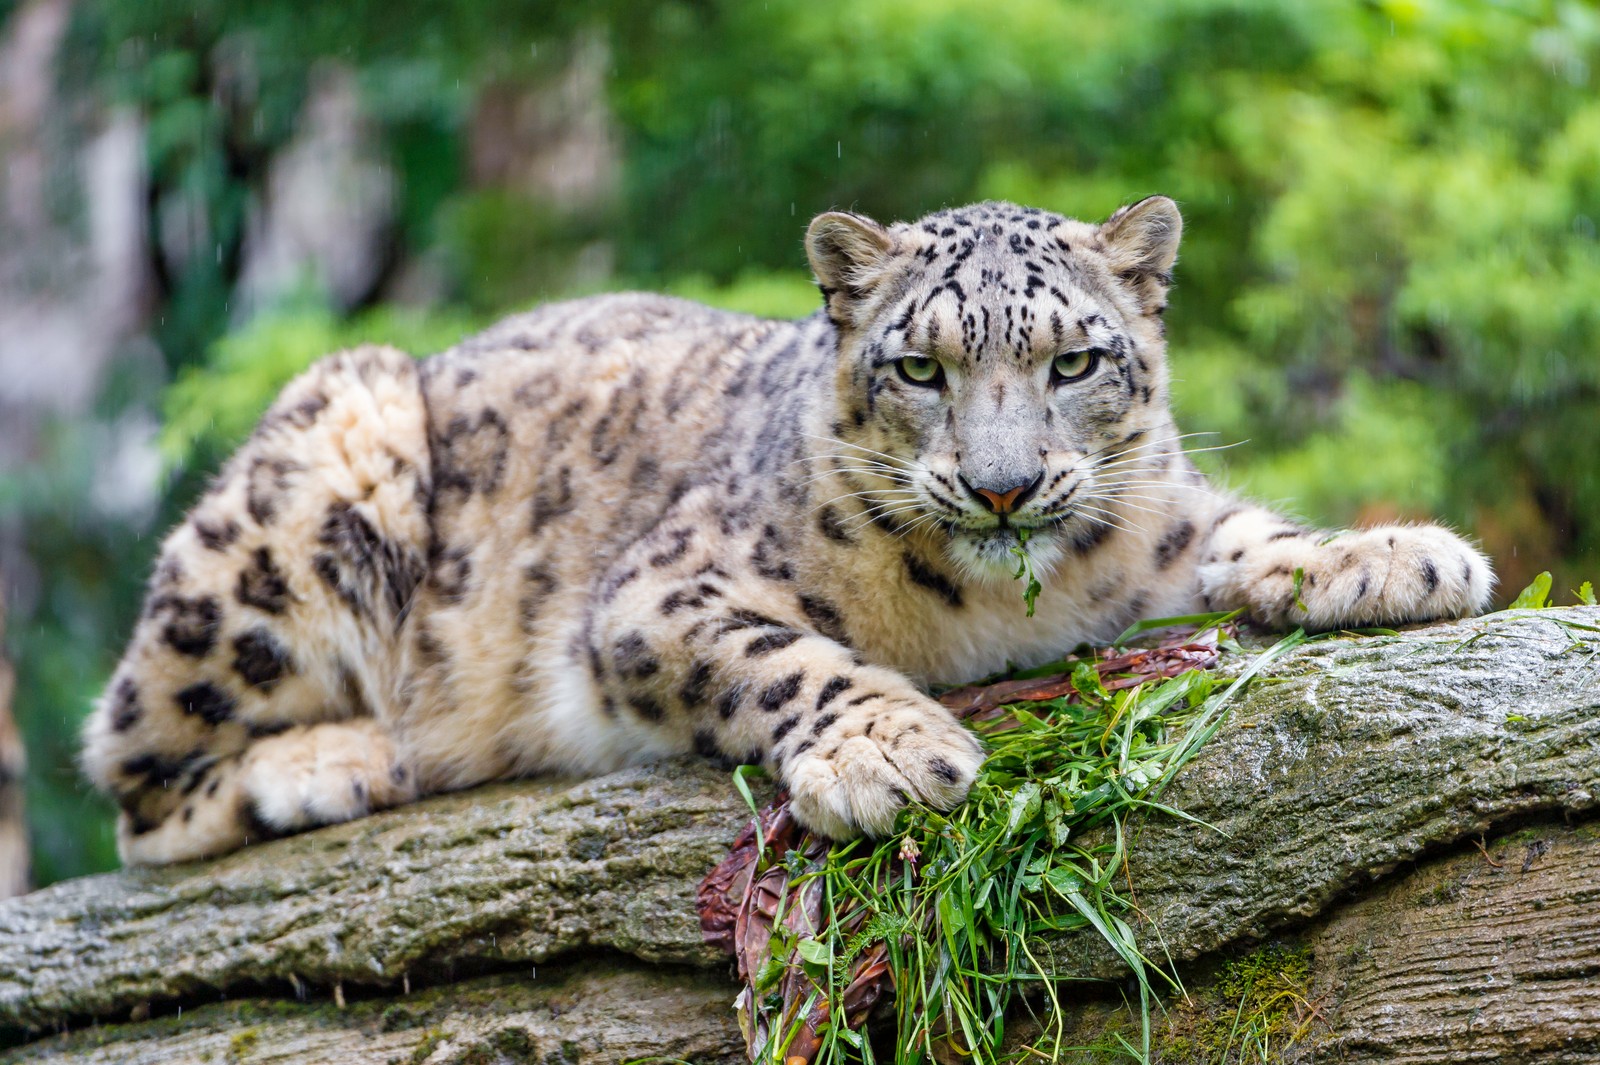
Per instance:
{"type": "Point", "coordinates": [627, 527]}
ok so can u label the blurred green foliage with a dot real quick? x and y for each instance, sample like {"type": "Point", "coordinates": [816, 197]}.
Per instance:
{"type": "Point", "coordinates": [1388, 286]}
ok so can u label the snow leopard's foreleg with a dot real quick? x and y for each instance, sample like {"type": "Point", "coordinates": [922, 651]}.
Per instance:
{"type": "Point", "coordinates": [713, 637]}
{"type": "Point", "coordinates": [1286, 574]}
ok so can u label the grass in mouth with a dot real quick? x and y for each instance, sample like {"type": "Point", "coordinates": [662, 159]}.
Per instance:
{"type": "Point", "coordinates": [1030, 590]}
{"type": "Point", "coordinates": [949, 911]}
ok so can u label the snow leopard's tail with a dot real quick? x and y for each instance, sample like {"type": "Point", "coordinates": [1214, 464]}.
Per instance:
{"type": "Point", "coordinates": [249, 698]}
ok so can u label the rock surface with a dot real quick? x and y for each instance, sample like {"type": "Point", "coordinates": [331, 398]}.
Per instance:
{"type": "Point", "coordinates": [1351, 762]}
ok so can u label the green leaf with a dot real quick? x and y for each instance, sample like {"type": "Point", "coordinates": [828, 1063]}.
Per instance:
{"type": "Point", "coordinates": [815, 951]}
{"type": "Point", "coordinates": [1024, 806]}
{"type": "Point", "coordinates": [1202, 621]}
{"type": "Point", "coordinates": [1299, 581]}
{"type": "Point", "coordinates": [770, 973]}
{"type": "Point", "coordinates": [1030, 592]}
{"type": "Point", "coordinates": [1586, 594]}
{"type": "Point", "coordinates": [1535, 596]}
{"type": "Point", "coordinates": [1056, 822]}
{"type": "Point", "coordinates": [1086, 679]}
{"type": "Point", "coordinates": [743, 786]}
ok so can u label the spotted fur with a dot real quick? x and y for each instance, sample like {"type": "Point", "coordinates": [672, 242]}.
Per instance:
{"type": "Point", "coordinates": [631, 526]}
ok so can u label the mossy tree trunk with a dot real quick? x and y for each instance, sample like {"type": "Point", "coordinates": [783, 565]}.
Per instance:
{"type": "Point", "coordinates": [1409, 814]}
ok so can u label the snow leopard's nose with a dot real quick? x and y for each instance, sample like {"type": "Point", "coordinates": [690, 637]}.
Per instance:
{"type": "Point", "coordinates": [1003, 499]}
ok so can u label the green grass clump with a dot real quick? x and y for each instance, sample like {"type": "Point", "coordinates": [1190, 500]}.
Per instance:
{"type": "Point", "coordinates": [1536, 596]}
{"type": "Point", "coordinates": [1268, 989]}
{"type": "Point", "coordinates": [243, 1043]}
{"type": "Point", "coordinates": [961, 900]}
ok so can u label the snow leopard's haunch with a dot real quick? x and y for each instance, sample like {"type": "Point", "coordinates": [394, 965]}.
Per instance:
{"type": "Point", "coordinates": [629, 526]}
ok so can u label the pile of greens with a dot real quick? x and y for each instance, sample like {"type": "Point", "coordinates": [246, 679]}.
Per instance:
{"type": "Point", "coordinates": [951, 908]}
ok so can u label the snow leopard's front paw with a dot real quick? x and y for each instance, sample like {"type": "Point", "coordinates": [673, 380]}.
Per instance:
{"type": "Point", "coordinates": [324, 774]}
{"type": "Point", "coordinates": [1390, 575]}
{"type": "Point", "coordinates": [886, 752]}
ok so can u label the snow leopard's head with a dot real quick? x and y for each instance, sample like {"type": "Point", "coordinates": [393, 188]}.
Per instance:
{"type": "Point", "coordinates": [1001, 368]}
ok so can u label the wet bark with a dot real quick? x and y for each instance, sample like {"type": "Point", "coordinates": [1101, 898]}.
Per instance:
{"type": "Point", "coordinates": [1347, 794]}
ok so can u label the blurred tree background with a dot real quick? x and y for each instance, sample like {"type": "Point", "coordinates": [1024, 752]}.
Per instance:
{"type": "Point", "coordinates": [1389, 294]}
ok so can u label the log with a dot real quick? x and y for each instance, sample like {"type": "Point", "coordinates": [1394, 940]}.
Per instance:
{"type": "Point", "coordinates": [561, 1015]}
{"type": "Point", "coordinates": [1356, 756]}
{"type": "Point", "coordinates": [1353, 767]}
{"type": "Point", "coordinates": [504, 876]}
{"type": "Point", "coordinates": [1485, 956]}
{"type": "Point", "coordinates": [1480, 956]}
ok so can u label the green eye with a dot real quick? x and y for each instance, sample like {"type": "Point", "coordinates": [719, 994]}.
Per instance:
{"type": "Point", "coordinates": [920, 371]}
{"type": "Point", "coordinates": [1074, 364]}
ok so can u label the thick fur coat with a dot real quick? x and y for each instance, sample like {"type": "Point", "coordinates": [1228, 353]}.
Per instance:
{"type": "Point", "coordinates": [630, 526]}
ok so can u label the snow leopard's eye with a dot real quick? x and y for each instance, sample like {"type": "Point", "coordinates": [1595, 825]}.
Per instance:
{"type": "Point", "coordinates": [921, 371]}
{"type": "Point", "coordinates": [1072, 365]}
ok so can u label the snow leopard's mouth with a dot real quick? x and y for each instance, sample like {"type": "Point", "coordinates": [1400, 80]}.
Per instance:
{"type": "Point", "coordinates": [992, 550]}
{"type": "Point", "coordinates": [1004, 536]}
{"type": "Point", "coordinates": [991, 545]}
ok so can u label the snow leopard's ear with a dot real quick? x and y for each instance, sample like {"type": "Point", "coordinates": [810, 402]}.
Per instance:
{"type": "Point", "coordinates": [1141, 240]}
{"type": "Point", "coordinates": [849, 253]}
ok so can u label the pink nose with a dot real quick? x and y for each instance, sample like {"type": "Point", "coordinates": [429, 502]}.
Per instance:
{"type": "Point", "coordinates": [1001, 503]}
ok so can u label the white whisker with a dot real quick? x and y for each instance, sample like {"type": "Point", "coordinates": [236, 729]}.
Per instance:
{"type": "Point", "coordinates": [1142, 443]}
{"type": "Point", "coordinates": [1130, 459]}
{"type": "Point", "coordinates": [860, 521]}
{"type": "Point", "coordinates": [892, 506]}
{"type": "Point", "coordinates": [1166, 444]}
{"type": "Point", "coordinates": [1106, 517]}
{"type": "Point", "coordinates": [910, 463]}
{"type": "Point", "coordinates": [872, 494]}
{"type": "Point", "coordinates": [917, 525]}
{"type": "Point", "coordinates": [901, 499]}
{"type": "Point", "coordinates": [1088, 506]}
{"type": "Point", "coordinates": [1135, 506]}
{"type": "Point", "coordinates": [839, 457]}
{"type": "Point", "coordinates": [1128, 493]}
{"type": "Point", "coordinates": [887, 472]}
{"type": "Point", "coordinates": [868, 495]}
{"type": "Point", "coordinates": [1110, 486]}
